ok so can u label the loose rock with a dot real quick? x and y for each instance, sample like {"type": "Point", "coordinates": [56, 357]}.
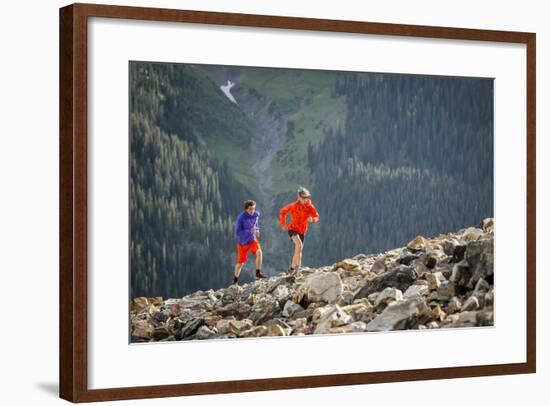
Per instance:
{"type": "Point", "coordinates": [454, 305]}
{"type": "Point", "coordinates": [204, 333]}
{"type": "Point", "coordinates": [445, 291]}
{"type": "Point", "coordinates": [266, 308]}
{"type": "Point", "coordinates": [324, 287]}
{"type": "Point", "coordinates": [448, 282]}
{"type": "Point", "coordinates": [418, 244]}
{"type": "Point", "coordinates": [388, 295]}
{"type": "Point", "coordinates": [275, 330]}
{"type": "Point", "coordinates": [330, 316]}
{"type": "Point", "coordinates": [348, 264]}
{"type": "Point", "coordinates": [399, 315]}
{"type": "Point", "coordinates": [435, 279]}
{"type": "Point", "coordinates": [400, 278]}
{"type": "Point", "coordinates": [416, 290]}
{"type": "Point", "coordinates": [379, 266]}
{"type": "Point", "coordinates": [291, 309]}
{"type": "Point", "coordinates": [461, 274]}
{"type": "Point", "coordinates": [471, 304]}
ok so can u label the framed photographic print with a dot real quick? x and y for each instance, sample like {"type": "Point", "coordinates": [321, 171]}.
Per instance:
{"type": "Point", "coordinates": [316, 196]}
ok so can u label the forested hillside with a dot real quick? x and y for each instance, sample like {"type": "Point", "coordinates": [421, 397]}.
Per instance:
{"type": "Point", "coordinates": [415, 156]}
{"type": "Point", "coordinates": [182, 200]}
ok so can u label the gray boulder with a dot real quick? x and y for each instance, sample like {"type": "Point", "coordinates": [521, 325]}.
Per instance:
{"type": "Point", "coordinates": [330, 316]}
{"type": "Point", "coordinates": [461, 273]}
{"type": "Point", "coordinates": [435, 279]}
{"type": "Point", "coordinates": [454, 249]}
{"type": "Point", "coordinates": [275, 330]}
{"type": "Point", "coordinates": [379, 266]}
{"type": "Point", "coordinates": [454, 305]}
{"type": "Point", "coordinates": [324, 287]}
{"type": "Point", "coordinates": [470, 304]}
{"type": "Point", "coordinates": [281, 293]}
{"type": "Point", "coordinates": [445, 291]}
{"type": "Point", "coordinates": [430, 260]}
{"type": "Point", "coordinates": [160, 333]}
{"type": "Point", "coordinates": [266, 308]}
{"type": "Point", "coordinates": [463, 319]}
{"type": "Point", "coordinates": [291, 309]}
{"type": "Point", "coordinates": [416, 291]}
{"type": "Point", "coordinates": [388, 295]}
{"type": "Point", "coordinates": [399, 315]}
{"type": "Point", "coordinates": [400, 278]}
{"type": "Point", "coordinates": [406, 258]}
{"type": "Point", "coordinates": [160, 317]}
{"type": "Point", "coordinates": [257, 331]}
{"type": "Point", "coordinates": [471, 234]}
{"type": "Point", "coordinates": [485, 317]}
{"type": "Point", "coordinates": [278, 281]}
{"type": "Point", "coordinates": [189, 329]}
{"type": "Point", "coordinates": [238, 309]}
{"type": "Point", "coordinates": [204, 333]}
{"type": "Point", "coordinates": [487, 224]}
{"type": "Point", "coordinates": [235, 327]}
{"type": "Point", "coordinates": [479, 255]}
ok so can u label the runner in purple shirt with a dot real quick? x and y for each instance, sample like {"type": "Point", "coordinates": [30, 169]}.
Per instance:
{"type": "Point", "coordinates": [247, 231]}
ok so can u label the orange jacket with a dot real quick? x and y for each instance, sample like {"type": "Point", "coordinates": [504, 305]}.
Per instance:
{"type": "Point", "coordinates": [301, 214]}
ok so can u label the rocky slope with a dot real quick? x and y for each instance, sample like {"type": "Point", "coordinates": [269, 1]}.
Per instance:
{"type": "Point", "coordinates": [440, 282]}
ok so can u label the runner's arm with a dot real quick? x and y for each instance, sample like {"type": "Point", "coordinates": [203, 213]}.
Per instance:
{"type": "Point", "coordinates": [313, 213]}
{"type": "Point", "coordinates": [282, 215]}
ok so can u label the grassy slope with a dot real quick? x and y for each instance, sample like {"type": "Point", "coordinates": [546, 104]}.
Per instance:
{"type": "Point", "coordinates": [304, 97]}
{"type": "Point", "coordinates": [232, 145]}
{"type": "Point", "coordinates": [301, 96]}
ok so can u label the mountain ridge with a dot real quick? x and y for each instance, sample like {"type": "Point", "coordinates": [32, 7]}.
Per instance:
{"type": "Point", "coordinates": [445, 281]}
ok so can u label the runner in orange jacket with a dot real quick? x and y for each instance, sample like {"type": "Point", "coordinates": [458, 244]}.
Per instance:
{"type": "Point", "coordinates": [302, 212]}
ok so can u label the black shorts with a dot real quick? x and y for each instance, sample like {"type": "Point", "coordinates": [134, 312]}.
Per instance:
{"type": "Point", "coordinates": [292, 233]}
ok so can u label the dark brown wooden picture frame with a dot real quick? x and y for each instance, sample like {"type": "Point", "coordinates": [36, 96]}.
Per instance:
{"type": "Point", "coordinates": [73, 201]}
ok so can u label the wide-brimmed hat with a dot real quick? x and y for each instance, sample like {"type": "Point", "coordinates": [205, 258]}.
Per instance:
{"type": "Point", "coordinates": [303, 192]}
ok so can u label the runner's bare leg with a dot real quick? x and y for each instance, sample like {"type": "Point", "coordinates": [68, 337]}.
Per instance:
{"type": "Point", "coordinates": [297, 258]}
{"type": "Point", "coordinates": [259, 257]}
{"type": "Point", "coordinates": [238, 269]}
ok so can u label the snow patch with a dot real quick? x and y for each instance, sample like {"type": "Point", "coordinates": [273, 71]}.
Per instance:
{"type": "Point", "coordinates": [226, 89]}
